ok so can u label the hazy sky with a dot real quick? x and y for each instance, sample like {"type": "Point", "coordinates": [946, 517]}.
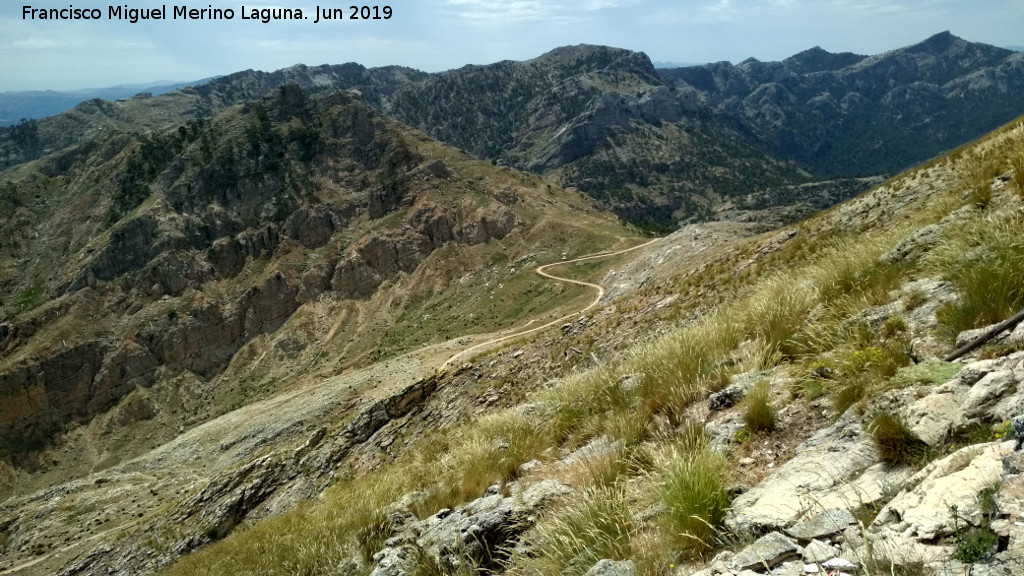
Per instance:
{"type": "Point", "coordinates": [436, 35]}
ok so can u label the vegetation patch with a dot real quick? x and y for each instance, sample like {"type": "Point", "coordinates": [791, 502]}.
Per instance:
{"type": "Point", "coordinates": [896, 442]}
{"type": "Point", "coordinates": [694, 494]}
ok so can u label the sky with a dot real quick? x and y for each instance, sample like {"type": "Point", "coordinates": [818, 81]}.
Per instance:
{"type": "Point", "coordinates": [435, 35]}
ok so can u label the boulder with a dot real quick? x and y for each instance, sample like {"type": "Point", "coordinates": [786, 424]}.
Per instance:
{"type": "Point", "coordinates": [923, 511]}
{"type": "Point", "coordinates": [823, 524]}
{"type": "Point", "coordinates": [729, 396]}
{"type": "Point", "coordinates": [765, 553]}
{"type": "Point", "coordinates": [818, 477]}
{"type": "Point", "coordinates": [817, 552]}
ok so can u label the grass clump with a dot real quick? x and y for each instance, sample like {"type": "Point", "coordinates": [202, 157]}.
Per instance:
{"type": "Point", "coordinates": [372, 536]}
{"type": "Point", "coordinates": [570, 541]}
{"type": "Point", "coordinates": [760, 416]}
{"type": "Point", "coordinates": [497, 446]}
{"type": "Point", "coordinates": [694, 494]}
{"type": "Point", "coordinates": [896, 442]}
{"type": "Point", "coordinates": [1018, 174]}
{"type": "Point", "coordinates": [888, 567]}
{"type": "Point", "coordinates": [685, 367]}
{"type": "Point", "coordinates": [984, 260]}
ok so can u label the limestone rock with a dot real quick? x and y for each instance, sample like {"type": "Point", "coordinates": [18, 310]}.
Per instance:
{"type": "Point", "coordinates": [730, 395]}
{"type": "Point", "coordinates": [816, 478]}
{"type": "Point", "coordinates": [923, 512]}
{"type": "Point", "coordinates": [612, 568]}
{"type": "Point", "coordinates": [823, 524]}
{"type": "Point", "coordinates": [766, 552]}
{"type": "Point", "coordinates": [817, 552]}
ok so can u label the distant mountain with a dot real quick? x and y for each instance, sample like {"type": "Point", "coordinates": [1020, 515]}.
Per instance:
{"type": "Point", "coordinates": [850, 115]}
{"type": "Point", "coordinates": [31, 104]}
{"type": "Point", "coordinates": [654, 145]}
{"type": "Point", "coordinates": [1016, 48]}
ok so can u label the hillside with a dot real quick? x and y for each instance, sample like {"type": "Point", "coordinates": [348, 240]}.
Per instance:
{"type": "Point", "coordinates": [841, 115]}
{"type": "Point", "coordinates": [732, 388]}
{"type": "Point", "coordinates": [656, 146]}
{"type": "Point", "coordinates": [161, 281]}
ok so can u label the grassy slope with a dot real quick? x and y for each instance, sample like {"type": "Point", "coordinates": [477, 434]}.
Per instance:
{"type": "Point", "coordinates": [64, 214]}
{"type": "Point", "coordinates": [760, 321]}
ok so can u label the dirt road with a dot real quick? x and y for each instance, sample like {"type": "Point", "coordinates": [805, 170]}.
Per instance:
{"type": "Point", "coordinates": [542, 270]}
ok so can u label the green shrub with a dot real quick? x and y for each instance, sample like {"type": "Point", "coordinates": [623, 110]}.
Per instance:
{"type": "Point", "coordinates": [974, 544]}
{"type": "Point", "coordinates": [895, 441]}
{"type": "Point", "coordinates": [760, 415]}
{"type": "Point", "coordinates": [695, 498]}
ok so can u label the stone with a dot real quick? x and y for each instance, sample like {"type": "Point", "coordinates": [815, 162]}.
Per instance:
{"type": "Point", "coordinates": [967, 336]}
{"type": "Point", "coordinates": [1017, 336]}
{"type": "Point", "coordinates": [817, 552]}
{"type": "Point", "coordinates": [838, 564]}
{"type": "Point", "coordinates": [818, 477]}
{"type": "Point", "coordinates": [916, 243]}
{"type": "Point", "coordinates": [348, 567]}
{"type": "Point", "coordinates": [484, 525]}
{"type": "Point", "coordinates": [987, 391]}
{"type": "Point", "coordinates": [613, 568]}
{"type": "Point", "coordinates": [765, 553]}
{"type": "Point", "coordinates": [596, 448]}
{"type": "Point", "coordinates": [730, 395]}
{"type": "Point", "coordinates": [823, 524]}
{"type": "Point", "coordinates": [923, 512]}
{"type": "Point", "coordinates": [935, 415]}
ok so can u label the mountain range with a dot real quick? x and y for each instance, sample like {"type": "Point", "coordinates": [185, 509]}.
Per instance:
{"type": "Point", "coordinates": [654, 146]}
{"type": "Point", "coordinates": [235, 304]}
{"type": "Point", "coordinates": [16, 106]}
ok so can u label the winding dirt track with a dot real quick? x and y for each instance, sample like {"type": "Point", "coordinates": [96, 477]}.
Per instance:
{"type": "Point", "coordinates": [541, 270]}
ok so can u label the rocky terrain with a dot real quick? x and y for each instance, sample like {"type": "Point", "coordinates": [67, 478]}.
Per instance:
{"type": "Point", "coordinates": [655, 146]}
{"type": "Point", "coordinates": [232, 305]}
{"type": "Point", "coordinates": [163, 280]}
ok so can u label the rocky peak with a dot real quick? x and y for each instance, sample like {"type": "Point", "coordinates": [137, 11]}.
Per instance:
{"type": "Point", "coordinates": [818, 59]}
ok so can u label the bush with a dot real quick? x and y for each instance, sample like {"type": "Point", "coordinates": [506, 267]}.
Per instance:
{"type": "Point", "coordinates": [895, 441]}
{"type": "Point", "coordinates": [695, 498]}
{"type": "Point", "coordinates": [760, 415]}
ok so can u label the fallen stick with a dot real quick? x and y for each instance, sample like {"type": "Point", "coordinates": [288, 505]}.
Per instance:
{"type": "Point", "coordinates": [973, 344]}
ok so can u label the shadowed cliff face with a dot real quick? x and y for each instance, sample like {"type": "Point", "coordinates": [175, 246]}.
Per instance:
{"type": "Point", "coordinates": [165, 255]}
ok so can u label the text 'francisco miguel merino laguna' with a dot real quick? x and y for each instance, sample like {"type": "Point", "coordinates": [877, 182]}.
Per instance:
{"type": "Point", "coordinates": [264, 15]}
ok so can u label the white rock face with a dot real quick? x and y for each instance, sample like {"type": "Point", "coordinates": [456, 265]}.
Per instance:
{"type": "Point", "coordinates": [923, 512]}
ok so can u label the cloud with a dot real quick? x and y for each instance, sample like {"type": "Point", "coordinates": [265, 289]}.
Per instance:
{"type": "Point", "coordinates": [34, 43]}
{"type": "Point", "coordinates": [516, 11]}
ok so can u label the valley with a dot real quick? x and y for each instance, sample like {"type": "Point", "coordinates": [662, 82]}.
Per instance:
{"type": "Point", "coordinates": [349, 320]}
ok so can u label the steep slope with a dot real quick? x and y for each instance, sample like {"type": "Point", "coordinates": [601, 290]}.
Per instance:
{"type": "Point", "coordinates": [599, 119]}
{"type": "Point", "coordinates": [655, 146]}
{"type": "Point", "coordinates": [850, 115]}
{"type": "Point", "coordinates": [648, 455]}
{"type": "Point", "coordinates": [163, 280]}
